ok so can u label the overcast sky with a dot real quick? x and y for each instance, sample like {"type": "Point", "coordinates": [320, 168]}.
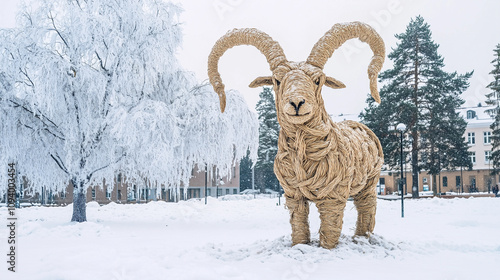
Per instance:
{"type": "Point", "coordinates": [467, 32]}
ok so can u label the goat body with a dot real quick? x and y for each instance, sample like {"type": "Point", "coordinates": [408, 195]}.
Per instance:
{"type": "Point", "coordinates": [318, 160]}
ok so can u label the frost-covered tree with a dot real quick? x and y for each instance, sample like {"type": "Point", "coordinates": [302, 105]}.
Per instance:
{"type": "Point", "coordinates": [88, 88]}
{"type": "Point", "coordinates": [268, 140]}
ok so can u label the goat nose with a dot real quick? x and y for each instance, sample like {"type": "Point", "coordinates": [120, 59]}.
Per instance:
{"type": "Point", "coordinates": [296, 103]}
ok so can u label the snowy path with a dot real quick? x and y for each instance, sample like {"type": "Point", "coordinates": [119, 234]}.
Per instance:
{"type": "Point", "coordinates": [249, 239]}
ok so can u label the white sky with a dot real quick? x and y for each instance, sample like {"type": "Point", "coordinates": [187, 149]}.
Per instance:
{"type": "Point", "coordinates": [467, 32]}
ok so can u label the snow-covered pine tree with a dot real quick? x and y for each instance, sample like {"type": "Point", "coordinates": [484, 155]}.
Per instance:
{"type": "Point", "coordinates": [418, 93]}
{"type": "Point", "coordinates": [493, 99]}
{"type": "Point", "coordinates": [268, 141]}
{"type": "Point", "coordinates": [443, 145]}
{"type": "Point", "coordinates": [89, 88]}
{"type": "Point", "coordinates": [246, 172]}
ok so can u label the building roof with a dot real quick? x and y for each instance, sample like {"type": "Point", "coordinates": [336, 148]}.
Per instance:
{"type": "Point", "coordinates": [476, 116]}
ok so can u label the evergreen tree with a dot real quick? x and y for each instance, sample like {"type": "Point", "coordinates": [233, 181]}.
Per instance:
{"type": "Point", "coordinates": [268, 141]}
{"type": "Point", "coordinates": [443, 144]}
{"type": "Point", "coordinates": [419, 94]}
{"type": "Point", "coordinates": [246, 172]}
{"type": "Point", "coordinates": [493, 100]}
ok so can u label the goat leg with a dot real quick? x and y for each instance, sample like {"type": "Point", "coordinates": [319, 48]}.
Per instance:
{"type": "Point", "coordinates": [299, 219]}
{"type": "Point", "coordinates": [366, 204]}
{"type": "Point", "coordinates": [331, 213]}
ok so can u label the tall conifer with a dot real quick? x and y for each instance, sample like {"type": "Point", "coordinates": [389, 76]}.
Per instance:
{"type": "Point", "coordinates": [419, 94]}
{"type": "Point", "coordinates": [268, 141]}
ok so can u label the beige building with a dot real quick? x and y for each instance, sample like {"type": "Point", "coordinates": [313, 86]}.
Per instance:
{"type": "Point", "coordinates": [478, 136]}
{"type": "Point", "coordinates": [128, 192]}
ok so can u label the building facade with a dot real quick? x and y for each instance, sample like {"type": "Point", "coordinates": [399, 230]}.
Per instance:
{"type": "Point", "coordinates": [123, 191]}
{"type": "Point", "coordinates": [478, 135]}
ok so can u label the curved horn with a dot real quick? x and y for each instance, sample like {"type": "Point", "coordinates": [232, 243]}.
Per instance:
{"type": "Point", "coordinates": [339, 34]}
{"type": "Point", "coordinates": [246, 36]}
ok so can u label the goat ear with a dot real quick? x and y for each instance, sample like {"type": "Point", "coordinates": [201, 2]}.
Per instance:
{"type": "Point", "coordinates": [261, 81]}
{"type": "Point", "coordinates": [334, 83]}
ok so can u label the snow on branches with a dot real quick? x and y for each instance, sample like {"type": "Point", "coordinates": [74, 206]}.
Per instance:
{"type": "Point", "coordinates": [90, 88]}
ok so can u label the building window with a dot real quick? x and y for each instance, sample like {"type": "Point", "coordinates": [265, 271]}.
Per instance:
{"type": "Point", "coordinates": [119, 195]}
{"type": "Point", "coordinates": [487, 155]}
{"type": "Point", "coordinates": [381, 181]}
{"type": "Point", "coordinates": [425, 180]}
{"type": "Point", "coordinates": [471, 114]}
{"type": "Point", "coordinates": [472, 157]}
{"type": "Point", "coordinates": [131, 193]}
{"type": "Point", "coordinates": [457, 179]}
{"type": "Point", "coordinates": [234, 172]}
{"type": "Point", "coordinates": [487, 137]}
{"type": "Point", "coordinates": [93, 193]}
{"type": "Point", "coordinates": [219, 192]}
{"type": "Point", "coordinates": [108, 194]}
{"type": "Point", "coordinates": [445, 181]}
{"type": "Point", "coordinates": [63, 194]}
{"type": "Point", "coordinates": [119, 178]}
{"type": "Point", "coordinates": [235, 191]}
{"type": "Point", "coordinates": [472, 180]}
{"type": "Point", "coordinates": [209, 192]}
{"type": "Point", "coordinates": [471, 138]}
{"type": "Point", "coordinates": [227, 191]}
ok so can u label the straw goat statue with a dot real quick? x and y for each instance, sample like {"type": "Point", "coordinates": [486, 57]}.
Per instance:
{"type": "Point", "coordinates": [318, 160]}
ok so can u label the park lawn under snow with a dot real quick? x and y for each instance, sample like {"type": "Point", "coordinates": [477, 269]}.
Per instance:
{"type": "Point", "coordinates": [245, 238]}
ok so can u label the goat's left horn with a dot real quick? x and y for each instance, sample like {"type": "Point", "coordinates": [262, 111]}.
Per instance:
{"type": "Point", "coordinates": [246, 36]}
{"type": "Point", "coordinates": [338, 35]}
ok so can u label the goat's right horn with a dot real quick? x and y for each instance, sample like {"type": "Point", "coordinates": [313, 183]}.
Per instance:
{"type": "Point", "coordinates": [246, 36]}
{"type": "Point", "coordinates": [338, 35]}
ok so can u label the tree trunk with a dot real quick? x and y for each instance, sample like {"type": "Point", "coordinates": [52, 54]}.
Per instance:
{"type": "Point", "coordinates": [79, 203]}
{"type": "Point", "coordinates": [434, 184]}
{"type": "Point", "coordinates": [414, 164]}
{"type": "Point", "coordinates": [414, 148]}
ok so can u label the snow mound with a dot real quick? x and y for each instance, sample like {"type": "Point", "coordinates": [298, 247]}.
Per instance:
{"type": "Point", "coordinates": [250, 239]}
{"type": "Point", "coordinates": [374, 246]}
{"type": "Point", "coordinates": [93, 204]}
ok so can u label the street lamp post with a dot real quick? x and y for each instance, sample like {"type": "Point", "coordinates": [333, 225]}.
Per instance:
{"type": "Point", "coordinates": [401, 128]}
{"type": "Point", "coordinates": [439, 167]}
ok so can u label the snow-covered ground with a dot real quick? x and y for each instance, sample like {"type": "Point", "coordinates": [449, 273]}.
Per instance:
{"type": "Point", "coordinates": [250, 239]}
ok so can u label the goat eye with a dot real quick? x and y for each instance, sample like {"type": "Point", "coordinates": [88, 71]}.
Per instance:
{"type": "Point", "coordinates": [278, 83]}
{"type": "Point", "coordinates": [317, 82]}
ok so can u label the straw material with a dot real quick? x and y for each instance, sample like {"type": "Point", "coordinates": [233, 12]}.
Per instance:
{"type": "Point", "coordinates": [246, 36]}
{"type": "Point", "coordinates": [340, 33]}
{"type": "Point", "coordinates": [318, 160]}
{"type": "Point", "coordinates": [326, 164]}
